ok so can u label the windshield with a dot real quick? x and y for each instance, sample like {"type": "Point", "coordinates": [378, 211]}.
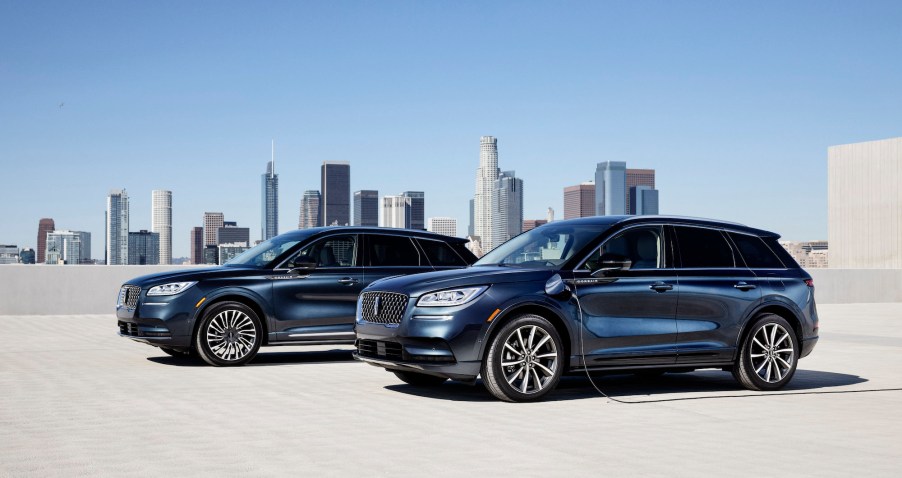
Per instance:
{"type": "Point", "coordinates": [265, 252]}
{"type": "Point", "coordinates": [548, 246]}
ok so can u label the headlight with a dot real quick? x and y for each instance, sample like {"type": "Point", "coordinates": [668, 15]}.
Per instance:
{"type": "Point", "coordinates": [451, 297]}
{"type": "Point", "coordinates": [170, 289]}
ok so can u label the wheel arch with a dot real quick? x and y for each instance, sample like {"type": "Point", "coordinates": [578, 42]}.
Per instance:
{"type": "Point", "coordinates": [232, 297]}
{"type": "Point", "coordinates": [776, 308]}
{"type": "Point", "coordinates": [542, 310]}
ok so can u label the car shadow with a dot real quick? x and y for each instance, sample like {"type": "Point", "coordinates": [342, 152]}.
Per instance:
{"type": "Point", "coordinates": [709, 384]}
{"type": "Point", "coordinates": [266, 358]}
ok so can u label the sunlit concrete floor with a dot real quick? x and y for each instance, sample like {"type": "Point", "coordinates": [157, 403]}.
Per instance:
{"type": "Point", "coordinates": [77, 400]}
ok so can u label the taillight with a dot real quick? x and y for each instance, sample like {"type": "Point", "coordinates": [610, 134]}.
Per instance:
{"type": "Point", "coordinates": [809, 282]}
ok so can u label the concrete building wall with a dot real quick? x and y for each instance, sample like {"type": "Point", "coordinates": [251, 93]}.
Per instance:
{"type": "Point", "coordinates": [864, 204]}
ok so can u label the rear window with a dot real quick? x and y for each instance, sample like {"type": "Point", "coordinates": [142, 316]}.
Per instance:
{"type": "Point", "coordinates": [700, 247]}
{"type": "Point", "coordinates": [440, 254]}
{"type": "Point", "coordinates": [391, 251]}
{"type": "Point", "coordinates": [784, 256]}
{"type": "Point", "coordinates": [756, 254]}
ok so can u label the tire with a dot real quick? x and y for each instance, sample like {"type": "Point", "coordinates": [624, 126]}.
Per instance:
{"type": "Point", "coordinates": [229, 334]}
{"type": "Point", "coordinates": [535, 371]}
{"type": "Point", "coordinates": [769, 355]}
{"type": "Point", "coordinates": [419, 379]}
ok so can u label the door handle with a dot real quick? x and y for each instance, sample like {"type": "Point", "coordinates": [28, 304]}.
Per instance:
{"type": "Point", "coordinates": [348, 281]}
{"type": "Point", "coordinates": [743, 286]}
{"type": "Point", "coordinates": [660, 287]}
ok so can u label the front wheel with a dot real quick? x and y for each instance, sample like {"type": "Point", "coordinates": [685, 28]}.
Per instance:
{"type": "Point", "coordinates": [769, 354]}
{"type": "Point", "coordinates": [229, 334]}
{"type": "Point", "coordinates": [524, 360]}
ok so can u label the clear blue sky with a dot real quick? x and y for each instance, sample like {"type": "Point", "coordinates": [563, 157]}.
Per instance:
{"type": "Point", "coordinates": [734, 104]}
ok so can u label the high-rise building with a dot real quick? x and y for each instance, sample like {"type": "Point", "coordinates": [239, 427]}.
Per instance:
{"type": "Point", "coordinates": [68, 247]}
{"type": "Point", "coordinates": [269, 221]}
{"type": "Point", "coordinates": [197, 245]}
{"type": "Point", "coordinates": [9, 254]}
{"type": "Point", "coordinates": [442, 225]}
{"type": "Point", "coordinates": [230, 233]}
{"type": "Point", "coordinates": [211, 254]}
{"type": "Point", "coordinates": [228, 250]}
{"type": "Point", "coordinates": [471, 226]}
{"type": "Point", "coordinates": [161, 216]}
{"type": "Point", "coordinates": [417, 214]}
{"type": "Point", "coordinates": [486, 175]}
{"type": "Point", "coordinates": [530, 224]}
{"type": "Point", "coordinates": [45, 225]}
{"type": "Point", "coordinates": [117, 227]}
{"type": "Point", "coordinates": [643, 200]}
{"type": "Point", "coordinates": [212, 222]}
{"type": "Point", "coordinates": [336, 193]}
{"type": "Point", "coordinates": [637, 177]}
{"type": "Point", "coordinates": [610, 188]}
{"type": "Point", "coordinates": [579, 200]}
{"type": "Point", "coordinates": [311, 210]}
{"type": "Point", "coordinates": [507, 208]}
{"type": "Point", "coordinates": [864, 206]}
{"type": "Point", "coordinates": [143, 248]}
{"type": "Point", "coordinates": [395, 211]}
{"type": "Point", "coordinates": [27, 255]}
{"type": "Point", "coordinates": [366, 208]}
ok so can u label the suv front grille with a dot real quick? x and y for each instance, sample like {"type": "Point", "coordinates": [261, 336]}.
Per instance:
{"type": "Point", "coordinates": [128, 296]}
{"type": "Point", "coordinates": [383, 307]}
{"type": "Point", "coordinates": [374, 348]}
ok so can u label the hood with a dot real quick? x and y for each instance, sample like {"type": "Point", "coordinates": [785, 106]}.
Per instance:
{"type": "Point", "coordinates": [481, 275]}
{"type": "Point", "coordinates": [186, 275]}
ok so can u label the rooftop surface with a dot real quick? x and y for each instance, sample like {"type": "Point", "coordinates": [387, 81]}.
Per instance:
{"type": "Point", "coordinates": [76, 399]}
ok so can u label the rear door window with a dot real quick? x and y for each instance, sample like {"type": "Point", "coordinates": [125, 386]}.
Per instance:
{"type": "Point", "coordinates": [440, 254]}
{"type": "Point", "coordinates": [703, 248]}
{"type": "Point", "coordinates": [755, 252]}
{"type": "Point", "coordinates": [391, 251]}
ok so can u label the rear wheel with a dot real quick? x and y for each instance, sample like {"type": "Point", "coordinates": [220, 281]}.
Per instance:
{"type": "Point", "coordinates": [229, 334]}
{"type": "Point", "coordinates": [769, 354]}
{"type": "Point", "coordinates": [524, 360]}
{"type": "Point", "coordinates": [419, 379]}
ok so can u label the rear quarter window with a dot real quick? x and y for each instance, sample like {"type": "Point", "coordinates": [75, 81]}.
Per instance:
{"type": "Point", "coordinates": [755, 252]}
{"type": "Point", "coordinates": [703, 248]}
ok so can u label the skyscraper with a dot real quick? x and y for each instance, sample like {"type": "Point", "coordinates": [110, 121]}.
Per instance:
{"type": "Point", "coordinates": [442, 225]}
{"type": "Point", "coordinates": [530, 224]}
{"type": "Point", "coordinates": [45, 225]}
{"type": "Point", "coordinates": [310, 210]}
{"type": "Point", "coordinates": [197, 245]}
{"type": "Point", "coordinates": [117, 227]}
{"type": "Point", "coordinates": [637, 177]}
{"type": "Point", "coordinates": [579, 200]}
{"type": "Point", "coordinates": [230, 233]}
{"type": "Point", "coordinates": [269, 221]}
{"type": "Point", "coordinates": [161, 222]}
{"type": "Point", "coordinates": [143, 248]}
{"type": "Point", "coordinates": [395, 211]}
{"type": "Point", "coordinates": [471, 226]}
{"type": "Point", "coordinates": [610, 188]}
{"type": "Point", "coordinates": [68, 247]}
{"type": "Point", "coordinates": [212, 222]}
{"type": "Point", "coordinates": [366, 208]}
{"type": "Point", "coordinates": [416, 216]}
{"type": "Point", "coordinates": [335, 184]}
{"type": "Point", "coordinates": [644, 200]}
{"type": "Point", "coordinates": [486, 175]}
{"type": "Point", "coordinates": [507, 208]}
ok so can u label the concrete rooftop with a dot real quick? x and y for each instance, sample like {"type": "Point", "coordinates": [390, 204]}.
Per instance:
{"type": "Point", "coordinates": [76, 399]}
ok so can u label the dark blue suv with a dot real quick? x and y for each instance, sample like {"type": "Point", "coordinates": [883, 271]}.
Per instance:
{"type": "Point", "coordinates": [645, 294]}
{"type": "Point", "coordinates": [300, 287]}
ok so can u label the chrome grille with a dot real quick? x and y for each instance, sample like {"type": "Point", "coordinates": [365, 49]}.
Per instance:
{"type": "Point", "coordinates": [129, 295]}
{"type": "Point", "coordinates": [383, 307]}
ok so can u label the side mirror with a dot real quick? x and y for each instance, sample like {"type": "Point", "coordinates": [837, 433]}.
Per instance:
{"type": "Point", "coordinates": [302, 267]}
{"type": "Point", "coordinates": [611, 262]}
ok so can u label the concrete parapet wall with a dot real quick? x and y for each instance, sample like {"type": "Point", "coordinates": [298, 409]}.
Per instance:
{"type": "Point", "coordinates": [66, 290]}
{"type": "Point", "coordinates": [71, 290]}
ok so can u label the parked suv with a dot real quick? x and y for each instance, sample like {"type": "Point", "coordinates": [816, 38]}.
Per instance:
{"type": "Point", "coordinates": [297, 288]}
{"type": "Point", "coordinates": [644, 294]}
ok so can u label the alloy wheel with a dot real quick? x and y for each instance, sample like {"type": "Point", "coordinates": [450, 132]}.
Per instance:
{"type": "Point", "coordinates": [772, 353]}
{"type": "Point", "coordinates": [231, 335]}
{"type": "Point", "coordinates": [529, 360]}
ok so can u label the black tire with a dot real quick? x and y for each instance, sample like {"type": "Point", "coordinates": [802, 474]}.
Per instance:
{"type": "Point", "coordinates": [765, 362]}
{"type": "Point", "coordinates": [419, 379]}
{"type": "Point", "coordinates": [229, 334]}
{"type": "Point", "coordinates": [542, 352]}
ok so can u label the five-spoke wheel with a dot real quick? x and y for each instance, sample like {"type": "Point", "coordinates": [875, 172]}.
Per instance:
{"type": "Point", "coordinates": [768, 357]}
{"type": "Point", "coordinates": [230, 334]}
{"type": "Point", "coordinates": [524, 360]}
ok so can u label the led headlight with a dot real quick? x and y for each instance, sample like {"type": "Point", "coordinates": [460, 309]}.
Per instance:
{"type": "Point", "coordinates": [450, 297]}
{"type": "Point", "coordinates": [170, 289]}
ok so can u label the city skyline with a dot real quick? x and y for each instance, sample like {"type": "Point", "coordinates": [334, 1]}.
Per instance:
{"type": "Point", "coordinates": [726, 103]}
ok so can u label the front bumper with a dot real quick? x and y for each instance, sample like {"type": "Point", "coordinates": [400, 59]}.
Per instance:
{"type": "Point", "coordinates": [166, 321]}
{"type": "Point", "coordinates": [461, 371]}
